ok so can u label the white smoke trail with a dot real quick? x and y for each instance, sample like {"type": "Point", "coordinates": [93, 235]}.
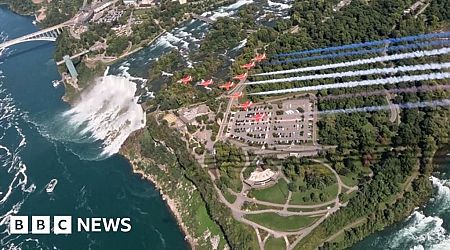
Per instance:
{"type": "Point", "coordinates": [409, 105]}
{"type": "Point", "coordinates": [390, 80]}
{"type": "Point", "coordinates": [424, 88]}
{"type": "Point", "coordinates": [438, 103]}
{"type": "Point", "coordinates": [378, 71]}
{"type": "Point", "coordinates": [416, 54]}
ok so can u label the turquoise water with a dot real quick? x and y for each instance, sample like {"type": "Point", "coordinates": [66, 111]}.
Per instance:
{"type": "Point", "coordinates": [425, 228]}
{"type": "Point", "coordinates": [29, 160]}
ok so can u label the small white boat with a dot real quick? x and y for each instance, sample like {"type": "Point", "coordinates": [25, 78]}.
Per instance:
{"type": "Point", "coordinates": [55, 83]}
{"type": "Point", "coordinates": [51, 185]}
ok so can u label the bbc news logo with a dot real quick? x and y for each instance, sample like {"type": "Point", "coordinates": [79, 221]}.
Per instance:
{"type": "Point", "coordinates": [63, 225]}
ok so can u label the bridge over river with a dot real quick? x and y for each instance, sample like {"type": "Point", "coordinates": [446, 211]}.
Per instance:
{"type": "Point", "coordinates": [49, 34]}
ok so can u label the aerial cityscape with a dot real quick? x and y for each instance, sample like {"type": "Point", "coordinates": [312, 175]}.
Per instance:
{"type": "Point", "coordinates": [224, 124]}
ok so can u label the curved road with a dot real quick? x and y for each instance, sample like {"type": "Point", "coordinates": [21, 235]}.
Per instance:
{"type": "Point", "coordinates": [238, 213]}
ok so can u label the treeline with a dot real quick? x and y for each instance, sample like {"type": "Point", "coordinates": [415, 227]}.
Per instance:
{"type": "Point", "coordinates": [59, 11]}
{"type": "Point", "coordinates": [225, 34]}
{"type": "Point", "coordinates": [375, 203]}
{"type": "Point", "coordinates": [23, 7]}
{"type": "Point", "coordinates": [230, 160]}
{"type": "Point", "coordinates": [314, 24]}
{"type": "Point", "coordinates": [176, 155]}
{"type": "Point", "coordinates": [319, 26]}
{"type": "Point", "coordinates": [391, 152]}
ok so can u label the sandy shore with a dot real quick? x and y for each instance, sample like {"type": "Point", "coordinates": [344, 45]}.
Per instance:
{"type": "Point", "coordinates": [171, 203]}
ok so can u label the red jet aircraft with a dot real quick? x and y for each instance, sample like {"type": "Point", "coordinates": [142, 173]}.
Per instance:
{"type": "Point", "coordinates": [259, 57]}
{"type": "Point", "coordinates": [258, 117]}
{"type": "Point", "coordinates": [236, 95]}
{"type": "Point", "coordinates": [186, 79]}
{"type": "Point", "coordinates": [248, 65]}
{"type": "Point", "coordinates": [246, 105]}
{"type": "Point", "coordinates": [227, 85]}
{"type": "Point", "coordinates": [206, 83]}
{"type": "Point", "coordinates": [241, 77]}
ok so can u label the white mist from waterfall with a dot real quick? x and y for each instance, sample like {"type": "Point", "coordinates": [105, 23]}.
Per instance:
{"type": "Point", "coordinates": [108, 112]}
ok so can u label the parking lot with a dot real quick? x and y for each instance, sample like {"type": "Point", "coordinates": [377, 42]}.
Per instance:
{"type": "Point", "coordinates": [282, 123]}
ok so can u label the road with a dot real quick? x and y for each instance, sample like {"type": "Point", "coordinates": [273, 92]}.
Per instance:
{"type": "Point", "coordinates": [394, 109]}
{"type": "Point", "coordinates": [74, 56]}
{"type": "Point", "coordinates": [353, 224]}
{"type": "Point", "coordinates": [239, 88]}
{"type": "Point", "coordinates": [241, 197]}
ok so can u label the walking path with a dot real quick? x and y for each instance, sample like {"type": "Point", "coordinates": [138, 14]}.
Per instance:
{"type": "Point", "coordinates": [241, 198]}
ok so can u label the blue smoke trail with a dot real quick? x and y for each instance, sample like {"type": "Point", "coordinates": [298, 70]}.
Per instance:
{"type": "Point", "coordinates": [388, 58]}
{"type": "Point", "coordinates": [425, 104]}
{"type": "Point", "coordinates": [367, 44]}
{"type": "Point", "coordinates": [376, 71]}
{"type": "Point", "coordinates": [366, 51]}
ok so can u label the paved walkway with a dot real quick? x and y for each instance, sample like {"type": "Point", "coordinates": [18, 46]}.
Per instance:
{"type": "Point", "coordinates": [241, 197]}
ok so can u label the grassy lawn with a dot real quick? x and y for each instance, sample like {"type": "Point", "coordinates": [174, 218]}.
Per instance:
{"type": "Point", "coordinates": [205, 223]}
{"type": "Point", "coordinates": [275, 244]}
{"type": "Point", "coordinates": [230, 197]}
{"type": "Point", "coordinates": [349, 180]}
{"type": "Point", "coordinates": [276, 194]}
{"type": "Point", "coordinates": [250, 206]}
{"type": "Point", "coordinates": [209, 160]}
{"type": "Point", "coordinates": [282, 223]}
{"type": "Point", "coordinates": [291, 209]}
{"type": "Point", "coordinates": [340, 237]}
{"type": "Point", "coordinates": [297, 197]}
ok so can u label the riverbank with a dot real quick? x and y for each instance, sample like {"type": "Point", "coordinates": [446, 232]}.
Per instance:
{"type": "Point", "coordinates": [441, 157]}
{"type": "Point", "coordinates": [426, 227]}
{"type": "Point", "coordinates": [171, 203]}
{"type": "Point", "coordinates": [16, 10]}
{"type": "Point", "coordinates": [179, 194]}
{"type": "Point", "coordinates": [91, 69]}
{"type": "Point", "coordinates": [181, 198]}
{"type": "Point", "coordinates": [86, 188]}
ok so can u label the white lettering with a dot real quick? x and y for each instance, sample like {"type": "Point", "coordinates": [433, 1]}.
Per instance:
{"type": "Point", "coordinates": [111, 223]}
{"type": "Point", "coordinates": [126, 225]}
{"type": "Point", "coordinates": [82, 224]}
{"type": "Point", "coordinates": [96, 224]}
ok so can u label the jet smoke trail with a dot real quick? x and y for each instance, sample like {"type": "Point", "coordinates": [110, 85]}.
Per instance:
{"type": "Point", "coordinates": [410, 105]}
{"type": "Point", "coordinates": [367, 44]}
{"type": "Point", "coordinates": [390, 80]}
{"type": "Point", "coordinates": [415, 54]}
{"type": "Point", "coordinates": [378, 71]}
{"type": "Point", "coordinates": [365, 51]}
{"type": "Point", "coordinates": [424, 88]}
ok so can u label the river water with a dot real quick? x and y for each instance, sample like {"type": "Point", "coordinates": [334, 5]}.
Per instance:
{"type": "Point", "coordinates": [30, 158]}
{"type": "Point", "coordinates": [42, 138]}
